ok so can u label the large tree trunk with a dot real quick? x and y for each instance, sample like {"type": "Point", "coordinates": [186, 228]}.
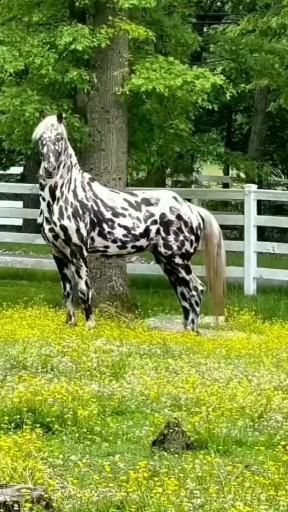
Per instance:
{"type": "Point", "coordinates": [228, 141]}
{"type": "Point", "coordinates": [258, 125]}
{"type": "Point", "coordinates": [156, 178]}
{"type": "Point", "coordinates": [106, 155]}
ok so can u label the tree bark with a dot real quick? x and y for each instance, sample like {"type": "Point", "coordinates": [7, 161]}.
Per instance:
{"type": "Point", "coordinates": [228, 141]}
{"type": "Point", "coordinates": [258, 125]}
{"type": "Point", "coordinates": [107, 150]}
{"type": "Point", "coordinates": [156, 178]}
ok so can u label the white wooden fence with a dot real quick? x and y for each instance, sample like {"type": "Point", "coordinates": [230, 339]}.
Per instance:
{"type": "Point", "coordinates": [12, 171]}
{"type": "Point", "coordinates": [250, 273]}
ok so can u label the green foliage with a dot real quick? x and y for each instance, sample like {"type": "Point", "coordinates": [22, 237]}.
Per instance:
{"type": "Point", "coordinates": [138, 4]}
{"type": "Point", "coordinates": [188, 68]}
{"type": "Point", "coordinates": [169, 95]}
{"type": "Point", "coordinates": [135, 31]}
{"type": "Point", "coordinates": [40, 71]}
{"type": "Point", "coordinates": [46, 69]}
{"type": "Point", "coordinates": [256, 46]}
{"type": "Point", "coordinates": [168, 77]}
{"type": "Point", "coordinates": [252, 55]}
{"type": "Point", "coordinates": [173, 23]}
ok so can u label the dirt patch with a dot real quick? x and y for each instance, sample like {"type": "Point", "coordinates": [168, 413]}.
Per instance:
{"type": "Point", "coordinates": [207, 326]}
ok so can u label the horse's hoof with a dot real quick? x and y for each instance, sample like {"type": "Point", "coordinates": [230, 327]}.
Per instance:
{"type": "Point", "coordinates": [90, 324]}
{"type": "Point", "coordinates": [190, 328]}
{"type": "Point", "coordinates": [72, 322]}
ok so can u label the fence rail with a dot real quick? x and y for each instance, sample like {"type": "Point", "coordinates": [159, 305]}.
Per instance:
{"type": "Point", "coordinates": [14, 212]}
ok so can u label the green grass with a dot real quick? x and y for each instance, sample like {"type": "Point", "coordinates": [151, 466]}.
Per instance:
{"type": "Point", "coordinates": [153, 295]}
{"type": "Point", "coordinates": [212, 170]}
{"type": "Point", "coordinates": [26, 249]}
{"type": "Point", "coordinates": [79, 409]}
{"type": "Point", "coordinates": [78, 412]}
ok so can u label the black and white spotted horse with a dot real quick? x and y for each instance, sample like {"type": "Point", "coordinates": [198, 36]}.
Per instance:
{"type": "Point", "coordinates": [78, 217]}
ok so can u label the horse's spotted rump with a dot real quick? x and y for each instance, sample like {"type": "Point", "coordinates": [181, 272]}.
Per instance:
{"type": "Point", "coordinates": [79, 216]}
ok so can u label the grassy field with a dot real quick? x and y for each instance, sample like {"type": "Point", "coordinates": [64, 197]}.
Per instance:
{"type": "Point", "coordinates": [212, 170]}
{"type": "Point", "coordinates": [79, 409]}
{"type": "Point", "coordinates": [152, 296]}
{"type": "Point", "coordinates": [78, 412]}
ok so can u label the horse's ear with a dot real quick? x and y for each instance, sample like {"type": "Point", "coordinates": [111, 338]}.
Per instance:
{"type": "Point", "coordinates": [60, 117]}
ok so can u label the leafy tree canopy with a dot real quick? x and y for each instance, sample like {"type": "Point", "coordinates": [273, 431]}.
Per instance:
{"type": "Point", "coordinates": [46, 51]}
{"type": "Point", "coordinates": [192, 62]}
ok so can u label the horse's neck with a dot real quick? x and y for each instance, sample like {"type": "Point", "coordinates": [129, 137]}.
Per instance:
{"type": "Point", "coordinates": [71, 167]}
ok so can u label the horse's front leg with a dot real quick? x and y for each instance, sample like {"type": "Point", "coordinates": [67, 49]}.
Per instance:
{"type": "Point", "coordinates": [66, 275]}
{"type": "Point", "coordinates": [81, 273]}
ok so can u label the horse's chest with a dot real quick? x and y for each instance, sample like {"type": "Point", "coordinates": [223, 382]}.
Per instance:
{"type": "Point", "coordinates": [48, 219]}
{"type": "Point", "coordinates": [58, 226]}
{"type": "Point", "coordinates": [49, 230]}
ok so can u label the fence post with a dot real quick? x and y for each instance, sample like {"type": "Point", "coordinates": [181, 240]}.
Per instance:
{"type": "Point", "coordinates": [250, 240]}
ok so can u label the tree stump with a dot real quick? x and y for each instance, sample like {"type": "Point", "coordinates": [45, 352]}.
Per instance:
{"type": "Point", "coordinates": [14, 498]}
{"type": "Point", "coordinates": [173, 438]}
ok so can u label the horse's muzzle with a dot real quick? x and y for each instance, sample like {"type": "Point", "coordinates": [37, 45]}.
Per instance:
{"type": "Point", "coordinates": [49, 173]}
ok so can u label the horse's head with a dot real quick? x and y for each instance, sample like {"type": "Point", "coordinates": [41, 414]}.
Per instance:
{"type": "Point", "coordinates": [52, 139]}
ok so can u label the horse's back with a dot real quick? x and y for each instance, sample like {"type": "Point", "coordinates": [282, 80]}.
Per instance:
{"type": "Point", "coordinates": [133, 221]}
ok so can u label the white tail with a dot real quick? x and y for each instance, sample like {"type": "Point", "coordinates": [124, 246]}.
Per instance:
{"type": "Point", "coordinates": [215, 260]}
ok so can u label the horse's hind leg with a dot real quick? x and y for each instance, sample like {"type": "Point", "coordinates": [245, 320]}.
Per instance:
{"type": "Point", "coordinates": [64, 268]}
{"type": "Point", "coordinates": [81, 273]}
{"type": "Point", "coordinates": [196, 298]}
{"type": "Point", "coordinates": [189, 289]}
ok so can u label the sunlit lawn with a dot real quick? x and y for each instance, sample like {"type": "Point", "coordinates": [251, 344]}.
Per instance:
{"type": "Point", "coordinates": [153, 296]}
{"type": "Point", "coordinates": [78, 409]}
{"type": "Point", "coordinates": [78, 412]}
